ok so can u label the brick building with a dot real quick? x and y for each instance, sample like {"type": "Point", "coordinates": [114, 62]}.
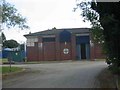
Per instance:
{"type": "Point", "coordinates": [62, 44]}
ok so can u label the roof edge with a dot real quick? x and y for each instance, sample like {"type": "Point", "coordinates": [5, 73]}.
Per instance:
{"type": "Point", "coordinates": [33, 34]}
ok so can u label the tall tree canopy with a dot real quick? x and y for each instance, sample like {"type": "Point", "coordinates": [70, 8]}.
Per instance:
{"type": "Point", "coordinates": [10, 44]}
{"type": "Point", "coordinates": [3, 37]}
{"type": "Point", "coordinates": [10, 17]}
{"type": "Point", "coordinates": [105, 21]}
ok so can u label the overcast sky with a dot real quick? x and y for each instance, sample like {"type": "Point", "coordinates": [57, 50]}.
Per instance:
{"type": "Point", "coordinates": [45, 14]}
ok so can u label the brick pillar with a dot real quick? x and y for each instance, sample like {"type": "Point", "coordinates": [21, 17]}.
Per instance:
{"type": "Point", "coordinates": [92, 48]}
{"type": "Point", "coordinates": [73, 47]}
{"type": "Point", "coordinates": [57, 47]}
{"type": "Point", "coordinates": [92, 52]}
{"type": "Point", "coordinates": [36, 51]}
{"type": "Point", "coordinates": [40, 49]}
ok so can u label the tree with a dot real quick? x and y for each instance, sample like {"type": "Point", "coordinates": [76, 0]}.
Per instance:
{"type": "Point", "coordinates": [3, 37]}
{"type": "Point", "coordinates": [91, 15]}
{"type": "Point", "coordinates": [10, 44]}
{"type": "Point", "coordinates": [110, 21]}
{"type": "Point", "coordinates": [10, 17]}
{"type": "Point", "coordinates": [105, 21]}
{"type": "Point", "coordinates": [22, 47]}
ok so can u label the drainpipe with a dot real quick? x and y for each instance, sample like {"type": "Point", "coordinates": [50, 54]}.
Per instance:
{"type": "Point", "coordinates": [93, 46]}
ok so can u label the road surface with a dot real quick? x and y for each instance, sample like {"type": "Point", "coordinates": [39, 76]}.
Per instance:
{"type": "Point", "coordinates": [77, 74]}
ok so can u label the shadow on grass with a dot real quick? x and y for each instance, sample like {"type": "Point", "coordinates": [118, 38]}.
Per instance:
{"type": "Point", "coordinates": [106, 79]}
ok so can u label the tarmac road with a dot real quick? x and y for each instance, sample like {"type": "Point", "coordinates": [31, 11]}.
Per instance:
{"type": "Point", "coordinates": [77, 74]}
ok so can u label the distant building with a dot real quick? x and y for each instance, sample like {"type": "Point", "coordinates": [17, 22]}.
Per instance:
{"type": "Point", "coordinates": [62, 44]}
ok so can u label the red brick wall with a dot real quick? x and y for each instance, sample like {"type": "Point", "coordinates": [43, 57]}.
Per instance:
{"type": "Point", "coordinates": [65, 56]}
{"type": "Point", "coordinates": [32, 53]}
{"type": "Point", "coordinates": [40, 49]}
{"type": "Point", "coordinates": [96, 52]}
{"type": "Point", "coordinates": [58, 57]}
{"type": "Point", "coordinates": [92, 57]}
{"type": "Point", "coordinates": [49, 51]}
{"type": "Point", "coordinates": [54, 50]}
{"type": "Point", "coordinates": [73, 47]}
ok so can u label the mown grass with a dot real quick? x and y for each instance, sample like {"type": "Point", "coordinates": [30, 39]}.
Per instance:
{"type": "Point", "coordinates": [119, 82]}
{"type": "Point", "coordinates": [106, 79]}
{"type": "Point", "coordinates": [51, 61]}
{"type": "Point", "coordinates": [7, 69]}
{"type": "Point", "coordinates": [3, 60]}
{"type": "Point", "coordinates": [0, 69]}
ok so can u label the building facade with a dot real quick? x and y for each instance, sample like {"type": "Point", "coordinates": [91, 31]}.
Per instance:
{"type": "Point", "coordinates": [62, 44]}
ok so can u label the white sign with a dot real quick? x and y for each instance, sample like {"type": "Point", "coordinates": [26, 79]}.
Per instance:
{"type": "Point", "coordinates": [40, 45]}
{"type": "Point", "coordinates": [66, 51]}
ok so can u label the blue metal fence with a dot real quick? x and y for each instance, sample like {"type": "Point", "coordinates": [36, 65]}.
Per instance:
{"type": "Point", "coordinates": [17, 56]}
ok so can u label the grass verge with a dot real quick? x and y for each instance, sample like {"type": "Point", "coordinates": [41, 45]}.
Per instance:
{"type": "Point", "coordinates": [42, 62]}
{"type": "Point", "coordinates": [119, 82]}
{"type": "Point", "coordinates": [106, 79]}
{"type": "Point", "coordinates": [3, 60]}
{"type": "Point", "coordinates": [7, 69]}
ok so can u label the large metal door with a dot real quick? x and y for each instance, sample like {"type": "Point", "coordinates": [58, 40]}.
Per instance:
{"type": "Point", "coordinates": [78, 49]}
{"type": "Point", "coordinates": [82, 47]}
{"type": "Point", "coordinates": [87, 51]}
{"type": "Point", "coordinates": [83, 51]}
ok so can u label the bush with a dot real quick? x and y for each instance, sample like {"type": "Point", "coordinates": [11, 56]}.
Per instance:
{"type": "Point", "coordinates": [114, 69]}
{"type": "Point", "coordinates": [108, 61]}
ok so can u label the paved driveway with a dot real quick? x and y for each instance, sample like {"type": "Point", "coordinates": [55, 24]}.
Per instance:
{"type": "Point", "coordinates": [77, 74]}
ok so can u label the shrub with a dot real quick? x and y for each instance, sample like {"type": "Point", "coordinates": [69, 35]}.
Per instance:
{"type": "Point", "coordinates": [114, 69]}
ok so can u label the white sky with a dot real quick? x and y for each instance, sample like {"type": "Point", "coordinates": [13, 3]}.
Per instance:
{"type": "Point", "coordinates": [45, 14]}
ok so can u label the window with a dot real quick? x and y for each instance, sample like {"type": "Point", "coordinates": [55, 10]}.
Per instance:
{"type": "Point", "coordinates": [31, 41]}
{"type": "Point", "coordinates": [49, 39]}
